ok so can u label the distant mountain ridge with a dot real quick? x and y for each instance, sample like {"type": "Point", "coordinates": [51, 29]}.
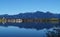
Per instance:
{"type": "Point", "coordinates": [36, 14]}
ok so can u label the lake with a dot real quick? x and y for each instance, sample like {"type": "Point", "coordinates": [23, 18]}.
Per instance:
{"type": "Point", "coordinates": [24, 30]}
{"type": "Point", "coordinates": [12, 31]}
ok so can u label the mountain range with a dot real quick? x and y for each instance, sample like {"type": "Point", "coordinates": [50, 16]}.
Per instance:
{"type": "Point", "coordinates": [37, 14]}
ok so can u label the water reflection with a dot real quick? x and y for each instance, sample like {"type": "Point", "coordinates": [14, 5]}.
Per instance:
{"type": "Point", "coordinates": [54, 32]}
{"type": "Point", "coordinates": [12, 31]}
{"type": "Point", "coordinates": [37, 26]}
{"type": "Point", "coordinates": [25, 30]}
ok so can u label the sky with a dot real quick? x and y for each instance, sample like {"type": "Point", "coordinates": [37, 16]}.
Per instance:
{"type": "Point", "coordinates": [13, 7]}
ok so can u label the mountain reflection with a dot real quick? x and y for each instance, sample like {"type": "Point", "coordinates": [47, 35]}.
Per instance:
{"type": "Point", "coordinates": [37, 26]}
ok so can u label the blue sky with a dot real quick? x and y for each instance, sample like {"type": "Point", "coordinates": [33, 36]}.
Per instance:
{"type": "Point", "coordinates": [12, 7]}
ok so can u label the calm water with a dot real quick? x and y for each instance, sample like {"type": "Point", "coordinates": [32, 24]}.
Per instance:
{"type": "Point", "coordinates": [12, 31]}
